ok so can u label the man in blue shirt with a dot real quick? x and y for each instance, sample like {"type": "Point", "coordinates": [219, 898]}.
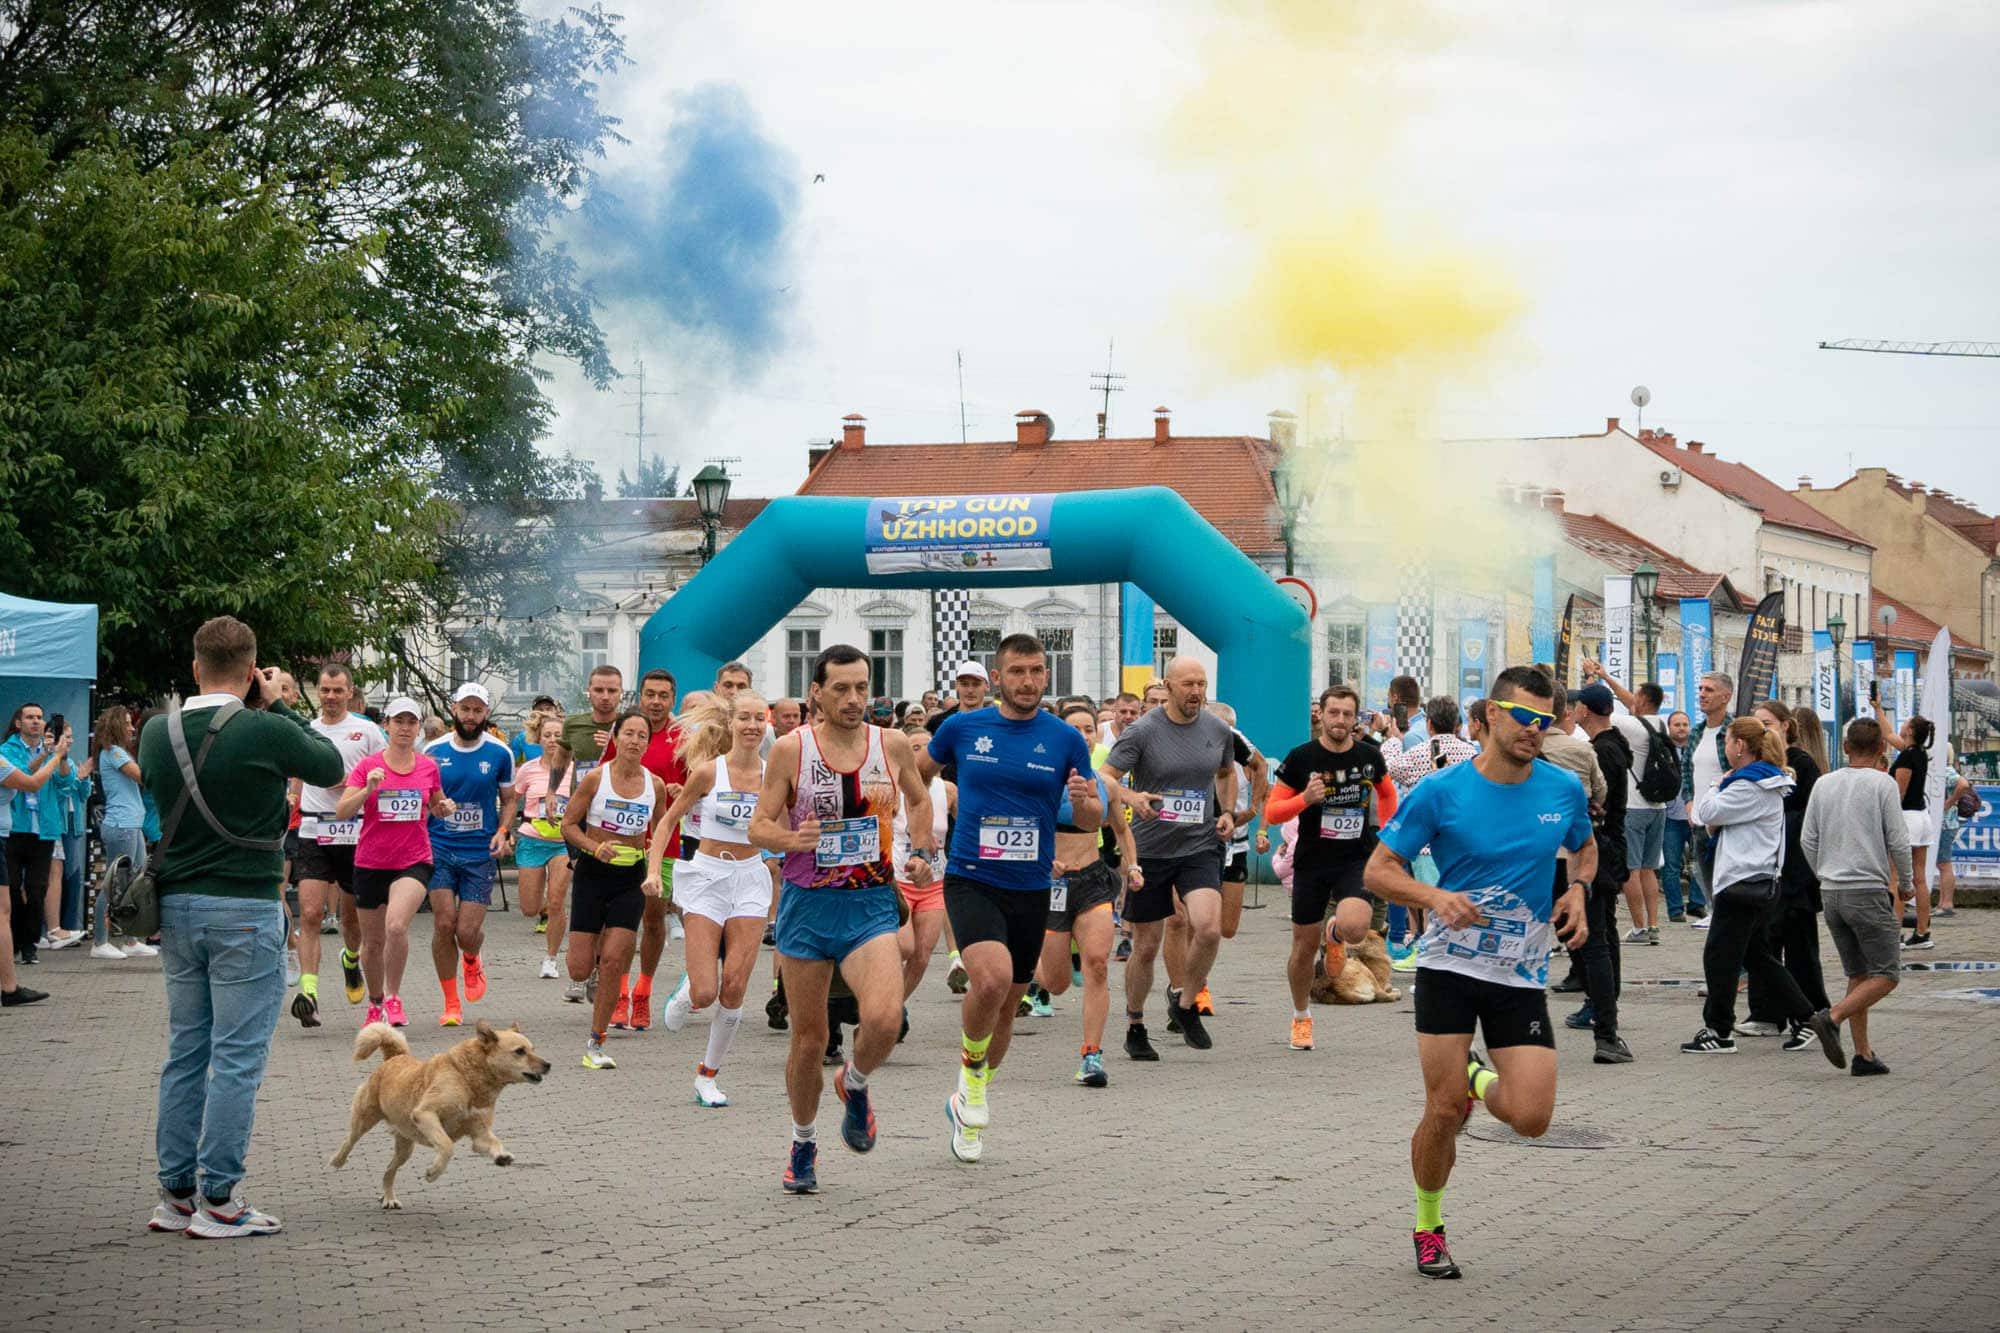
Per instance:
{"type": "Point", "coordinates": [478, 775]}
{"type": "Point", "coordinates": [1493, 827]}
{"type": "Point", "coordinates": [1015, 765]}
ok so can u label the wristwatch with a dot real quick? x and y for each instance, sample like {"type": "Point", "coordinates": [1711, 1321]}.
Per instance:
{"type": "Point", "coordinates": [1579, 884]}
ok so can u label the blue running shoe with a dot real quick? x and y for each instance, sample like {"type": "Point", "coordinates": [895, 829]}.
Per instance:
{"type": "Point", "coordinates": [801, 1173]}
{"type": "Point", "coordinates": [857, 1127]}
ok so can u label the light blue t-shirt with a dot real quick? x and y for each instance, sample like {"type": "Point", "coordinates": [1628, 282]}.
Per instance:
{"type": "Point", "coordinates": [1012, 776]}
{"type": "Point", "coordinates": [6, 803]}
{"type": "Point", "coordinates": [123, 807]}
{"type": "Point", "coordinates": [1496, 844]}
{"type": "Point", "coordinates": [472, 779]}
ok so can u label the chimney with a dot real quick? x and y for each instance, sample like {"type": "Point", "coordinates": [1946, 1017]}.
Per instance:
{"type": "Point", "coordinates": [1695, 446]}
{"type": "Point", "coordinates": [1805, 483]}
{"type": "Point", "coordinates": [1161, 418]}
{"type": "Point", "coordinates": [1611, 425]}
{"type": "Point", "coordinates": [1284, 429]}
{"type": "Point", "coordinates": [853, 431]}
{"type": "Point", "coordinates": [1031, 428]}
{"type": "Point", "coordinates": [1917, 499]}
{"type": "Point", "coordinates": [1552, 501]}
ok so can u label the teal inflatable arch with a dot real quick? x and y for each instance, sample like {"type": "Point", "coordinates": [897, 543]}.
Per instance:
{"type": "Point", "coordinates": [1148, 535]}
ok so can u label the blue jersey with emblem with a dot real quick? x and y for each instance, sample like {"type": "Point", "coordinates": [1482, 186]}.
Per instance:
{"type": "Point", "coordinates": [1496, 844]}
{"type": "Point", "coordinates": [472, 779]}
{"type": "Point", "coordinates": [1012, 777]}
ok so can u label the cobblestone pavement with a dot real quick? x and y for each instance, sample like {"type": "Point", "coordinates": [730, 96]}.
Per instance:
{"type": "Point", "coordinates": [1249, 1186]}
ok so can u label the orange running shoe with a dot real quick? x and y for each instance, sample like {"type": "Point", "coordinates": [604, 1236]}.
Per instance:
{"type": "Point", "coordinates": [1302, 1033]}
{"type": "Point", "coordinates": [1204, 1004]}
{"type": "Point", "coordinates": [450, 1017]}
{"type": "Point", "coordinates": [642, 1011]}
{"type": "Point", "coordinates": [475, 980]}
{"type": "Point", "coordinates": [621, 1012]}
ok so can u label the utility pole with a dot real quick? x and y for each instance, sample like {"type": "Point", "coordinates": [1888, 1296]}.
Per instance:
{"type": "Point", "coordinates": [1106, 383]}
{"type": "Point", "coordinates": [639, 436]}
{"type": "Point", "coordinates": [961, 396]}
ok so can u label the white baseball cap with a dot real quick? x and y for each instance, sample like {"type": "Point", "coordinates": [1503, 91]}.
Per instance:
{"type": "Point", "coordinates": [472, 689]}
{"type": "Point", "coordinates": [405, 706]}
{"type": "Point", "coordinates": [970, 669]}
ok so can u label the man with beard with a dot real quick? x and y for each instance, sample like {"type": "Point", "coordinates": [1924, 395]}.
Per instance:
{"type": "Point", "coordinates": [477, 773]}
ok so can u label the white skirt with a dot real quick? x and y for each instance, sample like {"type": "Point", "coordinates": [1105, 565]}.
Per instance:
{"type": "Point", "coordinates": [720, 890]}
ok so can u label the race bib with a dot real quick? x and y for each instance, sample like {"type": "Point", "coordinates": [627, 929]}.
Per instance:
{"type": "Point", "coordinates": [468, 819]}
{"type": "Point", "coordinates": [734, 808]}
{"type": "Point", "coordinates": [1059, 896]}
{"type": "Point", "coordinates": [1009, 838]}
{"type": "Point", "coordinates": [1342, 825]}
{"type": "Point", "coordinates": [558, 807]}
{"type": "Point", "coordinates": [624, 817]}
{"type": "Point", "coordinates": [339, 832]}
{"type": "Point", "coordinates": [1501, 939]}
{"type": "Point", "coordinates": [848, 842]}
{"type": "Point", "coordinates": [399, 805]}
{"type": "Point", "coordinates": [1183, 805]}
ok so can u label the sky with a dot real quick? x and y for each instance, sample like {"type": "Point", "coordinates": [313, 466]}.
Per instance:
{"type": "Point", "coordinates": [1688, 196]}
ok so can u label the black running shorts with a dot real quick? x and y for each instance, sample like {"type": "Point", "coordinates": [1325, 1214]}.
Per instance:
{"type": "Point", "coordinates": [1449, 1003]}
{"type": "Point", "coordinates": [606, 897]}
{"type": "Point", "coordinates": [371, 886]}
{"type": "Point", "coordinates": [1324, 887]}
{"type": "Point", "coordinates": [1016, 918]}
{"type": "Point", "coordinates": [1166, 875]}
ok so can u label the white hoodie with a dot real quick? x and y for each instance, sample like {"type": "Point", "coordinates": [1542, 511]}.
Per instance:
{"type": "Point", "coordinates": [1748, 818]}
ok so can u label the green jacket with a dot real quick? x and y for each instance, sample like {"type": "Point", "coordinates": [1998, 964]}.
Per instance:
{"type": "Point", "coordinates": [243, 779]}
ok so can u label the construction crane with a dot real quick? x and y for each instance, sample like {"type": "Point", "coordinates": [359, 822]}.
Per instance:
{"type": "Point", "coordinates": [1960, 348]}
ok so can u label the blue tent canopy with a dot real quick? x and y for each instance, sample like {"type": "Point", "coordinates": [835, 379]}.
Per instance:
{"type": "Point", "coordinates": [48, 656]}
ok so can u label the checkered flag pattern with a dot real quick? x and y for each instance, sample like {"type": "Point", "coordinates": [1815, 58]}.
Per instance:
{"type": "Point", "coordinates": [1413, 626]}
{"type": "Point", "coordinates": [951, 632]}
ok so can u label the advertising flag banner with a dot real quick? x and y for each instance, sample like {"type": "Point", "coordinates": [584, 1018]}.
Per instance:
{"type": "Point", "coordinates": [1542, 621]}
{"type": "Point", "coordinates": [1697, 642]}
{"type": "Point", "coordinates": [1135, 638]}
{"type": "Point", "coordinates": [1670, 682]}
{"type": "Point", "coordinates": [1618, 628]}
{"type": "Point", "coordinates": [1906, 684]}
{"type": "Point", "coordinates": [1937, 685]}
{"type": "Point", "coordinates": [1381, 654]}
{"type": "Point", "coordinates": [1565, 639]}
{"type": "Point", "coordinates": [1760, 652]}
{"type": "Point", "coordinates": [1864, 677]}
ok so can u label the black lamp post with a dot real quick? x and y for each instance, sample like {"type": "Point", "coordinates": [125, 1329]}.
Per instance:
{"type": "Point", "coordinates": [711, 493]}
{"type": "Point", "coordinates": [1646, 582]}
{"type": "Point", "coordinates": [1285, 486]}
{"type": "Point", "coordinates": [1836, 634]}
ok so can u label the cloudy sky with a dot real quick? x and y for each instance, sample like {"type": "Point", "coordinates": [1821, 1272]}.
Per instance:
{"type": "Point", "coordinates": [1688, 196]}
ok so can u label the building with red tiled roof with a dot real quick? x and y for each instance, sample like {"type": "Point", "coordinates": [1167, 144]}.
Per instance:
{"type": "Point", "coordinates": [1625, 551]}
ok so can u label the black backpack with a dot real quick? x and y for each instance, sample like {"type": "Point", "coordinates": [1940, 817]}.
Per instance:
{"type": "Point", "coordinates": [1660, 779]}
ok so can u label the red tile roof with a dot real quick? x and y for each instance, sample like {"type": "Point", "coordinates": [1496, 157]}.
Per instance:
{"type": "Point", "coordinates": [1748, 486]}
{"type": "Point", "coordinates": [1227, 478]}
{"type": "Point", "coordinates": [1915, 629]}
{"type": "Point", "coordinates": [1624, 551]}
{"type": "Point", "coordinates": [1982, 530]}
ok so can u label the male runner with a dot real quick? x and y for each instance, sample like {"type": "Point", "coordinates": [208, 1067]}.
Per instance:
{"type": "Point", "coordinates": [1252, 785]}
{"type": "Point", "coordinates": [829, 804]}
{"type": "Point", "coordinates": [1180, 758]}
{"type": "Point", "coordinates": [969, 686]}
{"type": "Point", "coordinates": [326, 847]}
{"type": "Point", "coordinates": [1493, 826]}
{"type": "Point", "coordinates": [586, 734]}
{"type": "Point", "coordinates": [477, 772]}
{"type": "Point", "coordinates": [1015, 764]}
{"type": "Point", "coordinates": [633, 1010]}
{"type": "Point", "coordinates": [1334, 784]}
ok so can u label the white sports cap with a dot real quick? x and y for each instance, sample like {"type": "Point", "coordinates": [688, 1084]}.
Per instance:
{"type": "Point", "coordinates": [472, 689]}
{"type": "Point", "coordinates": [403, 706]}
{"type": "Point", "coordinates": [970, 669]}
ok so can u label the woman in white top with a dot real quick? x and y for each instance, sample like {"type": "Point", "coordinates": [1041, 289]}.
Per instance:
{"type": "Point", "coordinates": [724, 892]}
{"type": "Point", "coordinates": [545, 784]}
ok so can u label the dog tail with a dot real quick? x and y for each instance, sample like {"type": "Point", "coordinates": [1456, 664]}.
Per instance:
{"type": "Point", "coordinates": [379, 1037]}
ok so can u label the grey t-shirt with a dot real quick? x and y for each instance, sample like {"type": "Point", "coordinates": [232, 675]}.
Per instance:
{"type": "Point", "coordinates": [1178, 761]}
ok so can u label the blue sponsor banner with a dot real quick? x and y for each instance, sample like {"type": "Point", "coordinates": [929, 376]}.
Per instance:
{"type": "Point", "coordinates": [1697, 640]}
{"type": "Point", "coordinates": [1864, 677]}
{"type": "Point", "coordinates": [1906, 684]}
{"type": "Point", "coordinates": [1474, 654]}
{"type": "Point", "coordinates": [1542, 622]}
{"type": "Point", "coordinates": [1670, 682]}
{"type": "Point", "coordinates": [960, 534]}
{"type": "Point", "coordinates": [1978, 840]}
{"type": "Point", "coordinates": [1381, 656]}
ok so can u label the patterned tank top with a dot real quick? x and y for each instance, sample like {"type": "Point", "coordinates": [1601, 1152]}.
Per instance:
{"type": "Point", "coordinates": [855, 830]}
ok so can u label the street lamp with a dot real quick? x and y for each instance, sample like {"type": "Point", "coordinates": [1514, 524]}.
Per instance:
{"type": "Point", "coordinates": [1836, 634]}
{"type": "Point", "coordinates": [1646, 582]}
{"type": "Point", "coordinates": [1291, 497]}
{"type": "Point", "coordinates": [711, 493]}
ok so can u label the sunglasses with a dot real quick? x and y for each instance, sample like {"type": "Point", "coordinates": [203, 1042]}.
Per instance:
{"type": "Point", "coordinates": [1528, 717]}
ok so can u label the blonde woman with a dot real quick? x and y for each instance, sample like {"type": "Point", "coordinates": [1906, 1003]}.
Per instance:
{"type": "Point", "coordinates": [545, 784]}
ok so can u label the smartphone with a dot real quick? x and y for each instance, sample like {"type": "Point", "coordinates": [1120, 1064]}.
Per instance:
{"type": "Point", "coordinates": [254, 696]}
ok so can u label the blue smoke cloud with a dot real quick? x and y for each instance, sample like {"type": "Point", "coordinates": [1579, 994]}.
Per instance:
{"type": "Point", "coordinates": [709, 249]}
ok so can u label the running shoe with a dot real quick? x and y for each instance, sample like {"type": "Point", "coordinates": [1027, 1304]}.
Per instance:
{"type": "Point", "coordinates": [705, 1091]}
{"type": "Point", "coordinates": [1124, 950]}
{"type": "Point", "coordinates": [475, 980]}
{"type": "Point", "coordinates": [1677, 917]}
{"type": "Point", "coordinates": [1026, 1007]}
{"type": "Point", "coordinates": [595, 1058]}
{"type": "Point", "coordinates": [549, 972]}
{"type": "Point", "coordinates": [1091, 1072]}
{"type": "Point", "coordinates": [1173, 1011]}
{"type": "Point", "coordinates": [1697, 910]}
{"type": "Point", "coordinates": [1612, 1051]}
{"type": "Point", "coordinates": [1699, 923]}
{"type": "Point", "coordinates": [1652, 934]}
{"type": "Point", "coordinates": [1407, 963]}
{"type": "Point", "coordinates": [392, 1011]}
{"type": "Point", "coordinates": [1136, 1044]}
{"type": "Point", "coordinates": [374, 1015]}
{"type": "Point", "coordinates": [965, 1140]}
{"type": "Point", "coordinates": [1865, 1065]}
{"type": "Point", "coordinates": [106, 951]}
{"type": "Point", "coordinates": [136, 949]}
{"type": "Point", "coordinates": [1039, 1005]}
{"type": "Point", "coordinates": [542, 924]}
{"type": "Point", "coordinates": [1582, 1019]}
{"type": "Point", "coordinates": [802, 1170]}
{"type": "Point", "coordinates": [1828, 1032]}
{"type": "Point", "coordinates": [904, 1031]}
{"type": "Point", "coordinates": [576, 992]}
{"type": "Point", "coordinates": [231, 1220]}
{"type": "Point", "coordinates": [777, 1016]}
{"type": "Point", "coordinates": [350, 977]}
{"type": "Point", "coordinates": [1475, 1061]}
{"type": "Point", "coordinates": [1433, 1258]}
{"type": "Point", "coordinates": [1757, 1027]}
{"type": "Point", "coordinates": [833, 1055]}
{"type": "Point", "coordinates": [642, 1011]}
{"type": "Point", "coordinates": [1800, 1038]}
{"type": "Point", "coordinates": [330, 924]}
{"type": "Point", "coordinates": [857, 1127]}
{"type": "Point", "coordinates": [1919, 941]}
{"type": "Point", "coordinates": [621, 1012]}
{"type": "Point", "coordinates": [306, 1009]}
{"type": "Point", "coordinates": [956, 978]}
{"type": "Point", "coordinates": [1302, 1033]}
{"type": "Point", "coordinates": [1192, 1030]}
{"type": "Point", "coordinates": [1636, 935]}
{"type": "Point", "coordinates": [971, 1096]}
{"type": "Point", "coordinates": [1569, 985]}
{"type": "Point", "coordinates": [590, 987]}
{"type": "Point", "coordinates": [1705, 1042]}
{"type": "Point", "coordinates": [1204, 1003]}
{"type": "Point", "coordinates": [1075, 966]}
{"type": "Point", "coordinates": [675, 932]}
{"type": "Point", "coordinates": [171, 1213]}
{"type": "Point", "coordinates": [770, 936]}
{"type": "Point", "coordinates": [451, 1017]}
{"type": "Point", "coordinates": [1399, 950]}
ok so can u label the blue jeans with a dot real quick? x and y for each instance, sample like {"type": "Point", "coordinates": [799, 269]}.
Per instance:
{"type": "Point", "coordinates": [1674, 862]}
{"type": "Point", "coordinates": [129, 842]}
{"type": "Point", "coordinates": [224, 963]}
{"type": "Point", "coordinates": [72, 884]}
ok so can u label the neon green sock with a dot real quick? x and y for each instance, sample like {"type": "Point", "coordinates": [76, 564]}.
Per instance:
{"type": "Point", "coordinates": [309, 984]}
{"type": "Point", "coordinates": [1430, 1209]}
{"type": "Point", "coordinates": [349, 958]}
{"type": "Point", "coordinates": [1482, 1081]}
{"type": "Point", "coordinates": [973, 1053]}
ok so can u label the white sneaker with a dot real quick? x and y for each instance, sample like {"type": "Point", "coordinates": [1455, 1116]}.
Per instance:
{"type": "Point", "coordinates": [1701, 923]}
{"type": "Point", "coordinates": [233, 1219]}
{"type": "Point", "coordinates": [965, 1138]}
{"type": "Point", "coordinates": [970, 1099]}
{"type": "Point", "coordinates": [549, 972]}
{"type": "Point", "coordinates": [678, 1011]}
{"type": "Point", "coordinates": [171, 1214]}
{"type": "Point", "coordinates": [576, 992]}
{"type": "Point", "coordinates": [291, 967]}
{"type": "Point", "coordinates": [139, 949]}
{"type": "Point", "coordinates": [107, 951]}
{"type": "Point", "coordinates": [1751, 1027]}
{"type": "Point", "coordinates": [707, 1094]}
{"type": "Point", "coordinates": [1636, 935]}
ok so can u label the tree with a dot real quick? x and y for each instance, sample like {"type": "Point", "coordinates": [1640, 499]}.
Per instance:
{"type": "Point", "coordinates": [655, 480]}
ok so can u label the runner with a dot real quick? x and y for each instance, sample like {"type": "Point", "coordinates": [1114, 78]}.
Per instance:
{"type": "Point", "coordinates": [477, 771]}
{"type": "Point", "coordinates": [544, 785]}
{"type": "Point", "coordinates": [607, 825]}
{"type": "Point", "coordinates": [1338, 788]}
{"type": "Point", "coordinates": [634, 1007]}
{"type": "Point", "coordinates": [829, 803]}
{"type": "Point", "coordinates": [326, 847]}
{"type": "Point", "coordinates": [969, 685]}
{"type": "Point", "coordinates": [1015, 763]}
{"type": "Point", "coordinates": [1493, 826]}
{"type": "Point", "coordinates": [1252, 786]}
{"type": "Point", "coordinates": [918, 936]}
{"type": "Point", "coordinates": [1078, 936]}
{"type": "Point", "coordinates": [586, 734]}
{"type": "Point", "coordinates": [1181, 757]}
{"type": "Point", "coordinates": [725, 892]}
{"type": "Point", "coordinates": [390, 791]}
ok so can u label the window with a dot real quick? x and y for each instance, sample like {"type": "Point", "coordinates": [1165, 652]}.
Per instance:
{"type": "Point", "coordinates": [528, 668]}
{"type": "Point", "coordinates": [594, 650]}
{"type": "Point", "coordinates": [801, 651]}
{"type": "Point", "coordinates": [461, 669]}
{"type": "Point", "coordinates": [1166, 647]}
{"type": "Point", "coordinates": [983, 645]}
{"type": "Point", "coordinates": [1059, 645]}
{"type": "Point", "coordinates": [1347, 653]}
{"type": "Point", "coordinates": [885, 662]}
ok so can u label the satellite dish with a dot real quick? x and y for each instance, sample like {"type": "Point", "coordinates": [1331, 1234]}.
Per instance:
{"type": "Point", "coordinates": [1641, 396]}
{"type": "Point", "coordinates": [1887, 615]}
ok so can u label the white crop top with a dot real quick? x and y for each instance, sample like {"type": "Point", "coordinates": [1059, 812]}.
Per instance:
{"type": "Point", "coordinates": [723, 815]}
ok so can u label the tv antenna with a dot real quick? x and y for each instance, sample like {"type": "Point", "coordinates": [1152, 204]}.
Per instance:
{"type": "Point", "coordinates": [961, 396]}
{"type": "Point", "coordinates": [639, 436]}
{"type": "Point", "coordinates": [1106, 382]}
{"type": "Point", "coordinates": [1641, 395]}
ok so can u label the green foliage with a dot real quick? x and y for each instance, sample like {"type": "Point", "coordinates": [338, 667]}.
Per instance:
{"type": "Point", "coordinates": [655, 480]}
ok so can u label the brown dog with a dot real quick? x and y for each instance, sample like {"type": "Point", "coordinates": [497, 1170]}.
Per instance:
{"type": "Point", "coordinates": [440, 1100]}
{"type": "Point", "coordinates": [1363, 977]}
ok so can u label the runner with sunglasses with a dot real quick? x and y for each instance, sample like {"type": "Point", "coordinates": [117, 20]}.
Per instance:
{"type": "Point", "coordinates": [1493, 826]}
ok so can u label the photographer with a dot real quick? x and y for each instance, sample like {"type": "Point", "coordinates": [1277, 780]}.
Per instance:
{"type": "Point", "coordinates": [222, 927]}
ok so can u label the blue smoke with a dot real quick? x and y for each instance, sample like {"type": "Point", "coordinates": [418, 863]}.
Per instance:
{"type": "Point", "coordinates": [709, 251]}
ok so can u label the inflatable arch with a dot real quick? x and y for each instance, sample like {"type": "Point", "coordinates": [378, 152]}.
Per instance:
{"type": "Point", "coordinates": [1148, 535]}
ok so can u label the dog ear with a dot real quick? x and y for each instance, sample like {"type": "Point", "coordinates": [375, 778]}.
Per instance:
{"type": "Point", "coordinates": [486, 1032]}
{"type": "Point", "coordinates": [514, 1026]}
